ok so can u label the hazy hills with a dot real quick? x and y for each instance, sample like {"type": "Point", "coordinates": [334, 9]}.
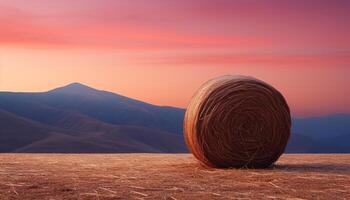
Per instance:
{"type": "Point", "coordinates": [77, 118]}
{"type": "Point", "coordinates": [327, 134]}
{"type": "Point", "coordinates": [48, 107]}
{"type": "Point", "coordinates": [22, 135]}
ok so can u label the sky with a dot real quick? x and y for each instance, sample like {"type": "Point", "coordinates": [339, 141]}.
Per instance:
{"type": "Point", "coordinates": [161, 51]}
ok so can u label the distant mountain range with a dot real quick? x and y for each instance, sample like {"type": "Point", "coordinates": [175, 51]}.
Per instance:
{"type": "Point", "coordinates": [327, 134]}
{"type": "Point", "coordinates": [77, 118]}
{"type": "Point", "coordinates": [80, 119]}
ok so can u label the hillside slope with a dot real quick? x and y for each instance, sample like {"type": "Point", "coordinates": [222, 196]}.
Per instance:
{"type": "Point", "coordinates": [23, 135]}
{"type": "Point", "coordinates": [48, 107]}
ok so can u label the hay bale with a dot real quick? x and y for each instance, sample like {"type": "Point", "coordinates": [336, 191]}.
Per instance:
{"type": "Point", "coordinates": [237, 121]}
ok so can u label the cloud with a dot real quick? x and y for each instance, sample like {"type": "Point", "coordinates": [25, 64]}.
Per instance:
{"type": "Point", "coordinates": [262, 59]}
{"type": "Point", "coordinates": [21, 28]}
{"type": "Point", "coordinates": [164, 25]}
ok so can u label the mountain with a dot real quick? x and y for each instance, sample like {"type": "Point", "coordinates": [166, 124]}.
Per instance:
{"type": "Point", "coordinates": [48, 107]}
{"type": "Point", "coordinates": [23, 135]}
{"type": "Point", "coordinates": [326, 134]}
{"type": "Point", "coordinates": [323, 127]}
{"type": "Point", "coordinates": [17, 132]}
{"type": "Point", "coordinates": [301, 144]}
{"type": "Point", "coordinates": [77, 118]}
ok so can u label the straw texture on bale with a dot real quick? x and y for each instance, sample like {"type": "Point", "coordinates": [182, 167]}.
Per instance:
{"type": "Point", "coordinates": [237, 121]}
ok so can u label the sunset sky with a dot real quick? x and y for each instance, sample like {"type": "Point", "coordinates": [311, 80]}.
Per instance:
{"type": "Point", "coordinates": [161, 51]}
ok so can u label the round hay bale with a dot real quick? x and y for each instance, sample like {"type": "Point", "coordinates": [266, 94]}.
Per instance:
{"type": "Point", "coordinates": [237, 121]}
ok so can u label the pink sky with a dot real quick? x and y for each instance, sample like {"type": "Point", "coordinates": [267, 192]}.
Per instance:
{"type": "Point", "coordinates": [160, 51]}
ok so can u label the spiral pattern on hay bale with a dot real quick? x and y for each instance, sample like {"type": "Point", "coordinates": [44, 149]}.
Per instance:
{"type": "Point", "coordinates": [237, 121]}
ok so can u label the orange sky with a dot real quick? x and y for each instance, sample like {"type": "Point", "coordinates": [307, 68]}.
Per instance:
{"type": "Point", "coordinates": [160, 51]}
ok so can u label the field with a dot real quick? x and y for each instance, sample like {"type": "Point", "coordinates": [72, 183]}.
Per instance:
{"type": "Point", "coordinates": [169, 176]}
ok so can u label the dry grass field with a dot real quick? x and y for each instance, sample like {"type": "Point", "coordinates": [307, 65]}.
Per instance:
{"type": "Point", "coordinates": [169, 176]}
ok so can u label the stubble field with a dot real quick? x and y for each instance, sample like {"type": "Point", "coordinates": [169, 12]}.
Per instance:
{"type": "Point", "coordinates": [169, 176]}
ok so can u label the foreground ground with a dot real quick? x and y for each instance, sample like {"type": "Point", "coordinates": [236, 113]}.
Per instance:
{"type": "Point", "coordinates": [164, 176]}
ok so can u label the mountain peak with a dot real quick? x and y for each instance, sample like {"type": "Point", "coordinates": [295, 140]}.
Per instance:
{"type": "Point", "coordinates": [74, 88]}
{"type": "Point", "coordinates": [76, 85]}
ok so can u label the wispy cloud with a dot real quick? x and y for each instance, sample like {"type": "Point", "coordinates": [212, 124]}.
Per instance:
{"type": "Point", "coordinates": [183, 24]}
{"type": "Point", "coordinates": [341, 59]}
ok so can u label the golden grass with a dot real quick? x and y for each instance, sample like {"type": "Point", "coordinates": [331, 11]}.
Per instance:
{"type": "Point", "coordinates": [169, 176]}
